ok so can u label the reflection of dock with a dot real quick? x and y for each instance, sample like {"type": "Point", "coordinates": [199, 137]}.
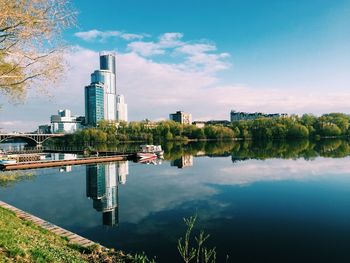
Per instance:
{"type": "Point", "coordinates": [57, 163]}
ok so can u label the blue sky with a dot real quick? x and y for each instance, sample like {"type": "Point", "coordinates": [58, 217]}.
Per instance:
{"type": "Point", "coordinates": [205, 57]}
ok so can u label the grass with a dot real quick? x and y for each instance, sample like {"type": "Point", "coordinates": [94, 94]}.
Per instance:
{"type": "Point", "coordinates": [23, 241]}
{"type": "Point", "coordinates": [9, 178]}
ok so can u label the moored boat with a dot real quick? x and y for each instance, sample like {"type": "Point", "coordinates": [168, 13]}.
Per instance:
{"type": "Point", "coordinates": [149, 148]}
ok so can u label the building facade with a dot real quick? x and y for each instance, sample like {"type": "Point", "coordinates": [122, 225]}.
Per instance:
{"type": "Point", "coordinates": [122, 109]}
{"type": "Point", "coordinates": [64, 122]}
{"type": "Point", "coordinates": [101, 94]}
{"type": "Point", "coordinates": [238, 116]}
{"type": "Point", "coordinates": [181, 117]}
{"type": "Point", "coordinates": [94, 104]}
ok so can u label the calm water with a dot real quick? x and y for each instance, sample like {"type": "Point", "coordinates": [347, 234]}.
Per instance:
{"type": "Point", "coordinates": [260, 203]}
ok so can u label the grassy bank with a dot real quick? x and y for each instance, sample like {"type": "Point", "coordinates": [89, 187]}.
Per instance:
{"type": "Point", "coordinates": [23, 241]}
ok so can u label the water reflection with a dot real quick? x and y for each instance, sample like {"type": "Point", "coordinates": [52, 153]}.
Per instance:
{"type": "Point", "coordinates": [245, 150]}
{"type": "Point", "coordinates": [183, 162]}
{"type": "Point", "coordinates": [102, 187]}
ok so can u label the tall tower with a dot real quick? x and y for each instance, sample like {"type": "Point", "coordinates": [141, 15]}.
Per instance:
{"type": "Point", "coordinates": [122, 109]}
{"type": "Point", "coordinates": [104, 77]}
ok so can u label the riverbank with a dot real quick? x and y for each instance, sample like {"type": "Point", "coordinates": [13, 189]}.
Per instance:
{"type": "Point", "coordinates": [26, 238]}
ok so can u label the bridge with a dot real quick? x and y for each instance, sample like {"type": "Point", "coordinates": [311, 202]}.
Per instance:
{"type": "Point", "coordinates": [30, 138]}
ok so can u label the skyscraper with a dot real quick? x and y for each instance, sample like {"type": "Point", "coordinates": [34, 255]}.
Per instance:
{"type": "Point", "coordinates": [122, 109]}
{"type": "Point", "coordinates": [94, 104]}
{"type": "Point", "coordinates": [104, 77]}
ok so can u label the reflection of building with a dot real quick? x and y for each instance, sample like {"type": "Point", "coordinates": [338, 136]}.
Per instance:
{"type": "Point", "coordinates": [122, 109]}
{"type": "Point", "coordinates": [237, 116]}
{"type": "Point", "coordinates": [181, 117]}
{"type": "Point", "coordinates": [66, 169]}
{"type": "Point", "coordinates": [122, 171]}
{"type": "Point", "coordinates": [64, 122]}
{"type": "Point", "coordinates": [184, 161]}
{"type": "Point", "coordinates": [101, 186]}
{"type": "Point", "coordinates": [63, 156]}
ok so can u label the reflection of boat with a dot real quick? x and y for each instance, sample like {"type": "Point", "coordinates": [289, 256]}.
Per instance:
{"type": "Point", "coordinates": [7, 161]}
{"type": "Point", "coordinates": [149, 160]}
{"type": "Point", "coordinates": [144, 157]}
{"type": "Point", "coordinates": [147, 149]}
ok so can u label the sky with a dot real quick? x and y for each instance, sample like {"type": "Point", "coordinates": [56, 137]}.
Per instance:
{"type": "Point", "coordinates": [204, 57]}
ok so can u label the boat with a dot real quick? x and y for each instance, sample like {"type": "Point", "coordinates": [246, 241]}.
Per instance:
{"type": "Point", "coordinates": [151, 149]}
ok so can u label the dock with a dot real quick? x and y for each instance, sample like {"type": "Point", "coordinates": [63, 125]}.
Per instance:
{"type": "Point", "coordinates": [58, 163]}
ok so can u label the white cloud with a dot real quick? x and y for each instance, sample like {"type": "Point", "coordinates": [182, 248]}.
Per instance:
{"type": "Point", "coordinates": [153, 89]}
{"type": "Point", "coordinates": [97, 35]}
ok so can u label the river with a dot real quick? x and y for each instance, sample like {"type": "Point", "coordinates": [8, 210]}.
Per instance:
{"type": "Point", "coordinates": [265, 202]}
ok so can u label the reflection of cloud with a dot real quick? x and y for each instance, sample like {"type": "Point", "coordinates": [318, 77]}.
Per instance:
{"type": "Point", "coordinates": [253, 171]}
{"type": "Point", "coordinates": [154, 190]}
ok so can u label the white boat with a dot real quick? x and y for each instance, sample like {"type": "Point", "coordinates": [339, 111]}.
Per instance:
{"type": "Point", "coordinates": [150, 148]}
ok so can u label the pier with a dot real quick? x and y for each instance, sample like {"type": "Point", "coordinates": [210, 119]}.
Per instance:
{"type": "Point", "coordinates": [58, 163]}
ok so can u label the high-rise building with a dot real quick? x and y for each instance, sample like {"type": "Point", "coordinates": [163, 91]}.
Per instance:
{"type": "Point", "coordinates": [122, 109]}
{"type": "Point", "coordinates": [94, 104]}
{"type": "Point", "coordinates": [104, 78]}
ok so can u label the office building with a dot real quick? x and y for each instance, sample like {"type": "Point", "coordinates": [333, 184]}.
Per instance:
{"type": "Point", "coordinates": [64, 122]}
{"type": "Point", "coordinates": [103, 81]}
{"type": "Point", "coordinates": [181, 117]}
{"type": "Point", "coordinates": [94, 104]}
{"type": "Point", "coordinates": [238, 116]}
{"type": "Point", "coordinates": [122, 109]}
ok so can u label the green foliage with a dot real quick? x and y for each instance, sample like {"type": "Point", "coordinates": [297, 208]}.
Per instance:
{"type": "Point", "coordinates": [293, 127]}
{"type": "Point", "coordinates": [197, 252]}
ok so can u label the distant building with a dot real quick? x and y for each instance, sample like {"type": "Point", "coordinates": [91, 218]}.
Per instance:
{"type": "Point", "coordinates": [181, 117]}
{"type": "Point", "coordinates": [199, 124]}
{"type": "Point", "coordinates": [122, 109]}
{"type": "Point", "coordinates": [64, 122]}
{"type": "Point", "coordinates": [238, 116]}
{"type": "Point", "coordinates": [44, 129]}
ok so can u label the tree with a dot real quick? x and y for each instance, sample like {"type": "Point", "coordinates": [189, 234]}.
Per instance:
{"type": "Point", "coordinates": [31, 47]}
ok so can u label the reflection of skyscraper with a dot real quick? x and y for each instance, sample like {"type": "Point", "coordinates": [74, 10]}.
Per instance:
{"type": "Point", "coordinates": [101, 186]}
{"type": "Point", "coordinates": [123, 171]}
{"type": "Point", "coordinates": [184, 161]}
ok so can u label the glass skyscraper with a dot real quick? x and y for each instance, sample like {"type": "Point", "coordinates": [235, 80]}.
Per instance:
{"type": "Point", "coordinates": [104, 77]}
{"type": "Point", "coordinates": [94, 104]}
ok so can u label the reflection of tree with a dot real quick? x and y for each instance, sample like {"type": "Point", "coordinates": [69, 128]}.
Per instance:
{"type": "Point", "coordinates": [243, 150]}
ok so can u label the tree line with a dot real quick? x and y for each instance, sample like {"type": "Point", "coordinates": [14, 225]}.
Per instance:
{"type": "Point", "coordinates": [292, 127]}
